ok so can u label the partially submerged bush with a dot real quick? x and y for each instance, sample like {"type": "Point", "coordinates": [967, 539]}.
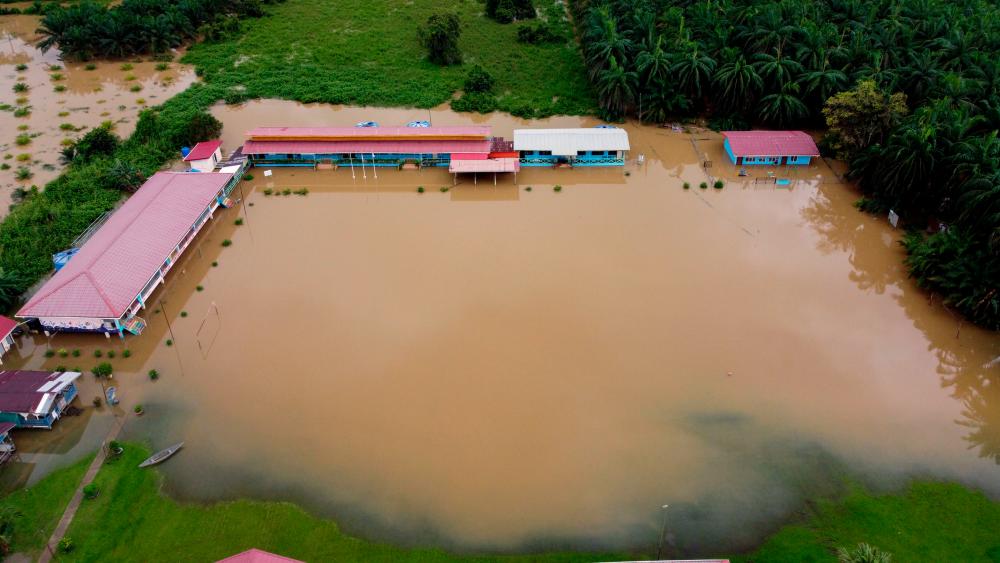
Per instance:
{"type": "Point", "coordinates": [719, 184]}
{"type": "Point", "coordinates": [154, 375]}
{"type": "Point", "coordinates": [102, 370]}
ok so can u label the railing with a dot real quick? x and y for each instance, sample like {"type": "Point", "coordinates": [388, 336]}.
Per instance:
{"type": "Point", "coordinates": [499, 144]}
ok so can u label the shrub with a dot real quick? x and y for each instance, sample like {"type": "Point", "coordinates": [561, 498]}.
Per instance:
{"type": "Point", "coordinates": [537, 34]}
{"type": "Point", "coordinates": [478, 80]}
{"type": "Point", "coordinates": [66, 545]}
{"type": "Point", "coordinates": [154, 375]}
{"type": "Point", "coordinates": [126, 353]}
{"type": "Point", "coordinates": [23, 173]}
{"type": "Point", "coordinates": [76, 353]}
{"type": "Point", "coordinates": [247, 177]}
{"type": "Point", "coordinates": [184, 314]}
{"type": "Point", "coordinates": [101, 370]}
{"type": "Point", "coordinates": [97, 402]}
{"type": "Point", "coordinates": [59, 88]}
{"type": "Point", "coordinates": [170, 342]}
{"type": "Point", "coordinates": [871, 206]}
{"type": "Point", "coordinates": [135, 88]}
{"type": "Point", "coordinates": [227, 242]}
{"type": "Point", "coordinates": [21, 87]}
{"type": "Point", "coordinates": [129, 77]}
{"type": "Point", "coordinates": [162, 66]}
{"type": "Point", "coordinates": [111, 353]}
{"type": "Point", "coordinates": [50, 353]}
{"type": "Point", "coordinates": [63, 352]}
{"type": "Point", "coordinates": [23, 111]}
{"type": "Point", "coordinates": [90, 66]}
{"type": "Point", "coordinates": [22, 139]}
{"type": "Point", "coordinates": [98, 353]}
{"type": "Point", "coordinates": [67, 126]}
{"type": "Point", "coordinates": [440, 37]}
{"type": "Point", "coordinates": [528, 189]}
{"type": "Point", "coordinates": [215, 264]}
{"type": "Point", "coordinates": [56, 76]}
{"type": "Point", "coordinates": [444, 189]}
{"type": "Point", "coordinates": [475, 102]}
{"type": "Point", "coordinates": [506, 11]}
{"type": "Point", "coordinates": [4, 166]}
{"type": "Point", "coordinates": [719, 184]}
{"type": "Point", "coordinates": [557, 188]}
{"type": "Point", "coordinates": [200, 288]}
{"type": "Point", "coordinates": [126, 66]}
{"type": "Point", "coordinates": [21, 67]}
{"type": "Point", "coordinates": [137, 409]}
{"type": "Point", "coordinates": [286, 191]}
{"type": "Point", "coordinates": [687, 186]}
{"type": "Point", "coordinates": [91, 491]}
{"type": "Point", "coordinates": [703, 185]}
{"type": "Point", "coordinates": [23, 157]}
{"type": "Point", "coordinates": [238, 222]}
{"type": "Point", "coordinates": [268, 191]}
{"type": "Point", "coordinates": [420, 189]}
{"type": "Point", "coordinates": [302, 191]}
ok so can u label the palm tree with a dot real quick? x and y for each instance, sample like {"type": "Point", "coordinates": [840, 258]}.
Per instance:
{"type": "Point", "coordinates": [824, 82]}
{"type": "Point", "coordinates": [606, 41]}
{"type": "Point", "coordinates": [653, 65]}
{"type": "Point", "coordinates": [616, 88]}
{"type": "Point", "coordinates": [775, 69]}
{"type": "Point", "coordinates": [783, 108]}
{"type": "Point", "coordinates": [693, 70]}
{"type": "Point", "coordinates": [738, 84]}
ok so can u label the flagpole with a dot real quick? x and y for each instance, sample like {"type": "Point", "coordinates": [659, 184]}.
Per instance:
{"type": "Point", "coordinates": [375, 172]}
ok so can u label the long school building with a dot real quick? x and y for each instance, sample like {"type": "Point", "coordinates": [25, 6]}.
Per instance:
{"type": "Point", "coordinates": [106, 284]}
{"type": "Point", "coordinates": [479, 151]}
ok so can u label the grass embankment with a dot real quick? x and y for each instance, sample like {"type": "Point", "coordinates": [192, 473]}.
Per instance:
{"type": "Point", "coordinates": [367, 53]}
{"type": "Point", "coordinates": [39, 508]}
{"type": "Point", "coordinates": [930, 521]}
{"type": "Point", "coordinates": [131, 521]}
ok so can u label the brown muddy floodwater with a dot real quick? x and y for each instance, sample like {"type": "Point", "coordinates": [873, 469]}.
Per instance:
{"type": "Point", "coordinates": [498, 368]}
{"type": "Point", "coordinates": [84, 100]}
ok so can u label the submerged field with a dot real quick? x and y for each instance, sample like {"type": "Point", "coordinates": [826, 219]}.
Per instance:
{"type": "Point", "coordinates": [368, 53]}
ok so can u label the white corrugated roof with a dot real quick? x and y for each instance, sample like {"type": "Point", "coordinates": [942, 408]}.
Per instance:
{"type": "Point", "coordinates": [567, 142]}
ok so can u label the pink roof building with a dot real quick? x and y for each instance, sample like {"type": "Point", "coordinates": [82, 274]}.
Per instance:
{"type": "Point", "coordinates": [121, 264]}
{"type": "Point", "coordinates": [257, 556]}
{"type": "Point", "coordinates": [7, 326]}
{"type": "Point", "coordinates": [769, 147]}
{"type": "Point", "coordinates": [203, 150]}
{"type": "Point", "coordinates": [358, 133]}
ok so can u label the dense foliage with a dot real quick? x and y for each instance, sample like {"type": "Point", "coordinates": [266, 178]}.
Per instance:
{"type": "Point", "coordinates": [440, 36]}
{"type": "Point", "coordinates": [910, 88]}
{"type": "Point", "coordinates": [87, 29]}
{"type": "Point", "coordinates": [506, 11]}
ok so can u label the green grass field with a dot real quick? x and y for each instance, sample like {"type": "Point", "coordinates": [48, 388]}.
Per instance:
{"type": "Point", "coordinates": [367, 53]}
{"type": "Point", "coordinates": [39, 508]}
{"type": "Point", "coordinates": [930, 521]}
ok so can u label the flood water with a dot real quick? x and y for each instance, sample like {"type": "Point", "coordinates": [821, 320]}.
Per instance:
{"type": "Point", "coordinates": [497, 368]}
{"type": "Point", "coordinates": [87, 99]}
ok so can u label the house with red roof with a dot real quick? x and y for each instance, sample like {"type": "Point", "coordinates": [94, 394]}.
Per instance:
{"type": "Point", "coordinates": [769, 148]}
{"type": "Point", "coordinates": [35, 399]}
{"type": "Point", "coordinates": [257, 556]}
{"type": "Point", "coordinates": [109, 281]}
{"type": "Point", "coordinates": [205, 156]}
{"type": "Point", "coordinates": [7, 327]}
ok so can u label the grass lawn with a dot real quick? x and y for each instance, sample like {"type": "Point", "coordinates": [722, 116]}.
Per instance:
{"type": "Point", "coordinates": [930, 521]}
{"type": "Point", "coordinates": [131, 521]}
{"type": "Point", "coordinates": [40, 507]}
{"type": "Point", "coordinates": [367, 53]}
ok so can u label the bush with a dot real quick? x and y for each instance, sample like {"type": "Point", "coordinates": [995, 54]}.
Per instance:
{"type": "Point", "coordinates": [687, 186]}
{"type": "Point", "coordinates": [91, 491]}
{"type": "Point", "coordinates": [111, 353]}
{"type": "Point", "coordinates": [162, 66]}
{"type": "Point", "coordinates": [169, 342]}
{"type": "Point", "coordinates": [23, 173]}
{"type": "Point", "coordinates": [137, 409]}
{"type": "Point", "coordinates": [440, 37]}
{"type": "Point", "coordinates": [102, 370]}
{"type": "Point", "coordinates": [703, 185]}
{"type": "Point", "coordinates": [247, 177]}
{"type": "Point", "coordinates": [475, 102]}
{"type": "Point", "coordinates": [66, 545]}
{"type": "Point", "coordinates": [238, 222]}
{"type": "Point", "coordinates": [478, 80]}
{"type": "Point", "coordinates": [154, 375]}
{"type": "Point", "coordinates": [20, 87]}
{"type": "Point", "coordinates": [63, 352]}
{"type": "Point", "coordinates": [719, 184]}
{"type": "Point", "coordinates": [97, 402]}
{"type": "Point", "coordinates": [126, 353]}
{"type": "Point", "coordinates": [22, 139]}
{"type": "Point", "coordinates": [227, 242]}
{"type": "Point", "coordinates": [506, 11]}
{"type": "Point", "coordinates": [420, 189]}
{"type": "Point", "coordinates": [537, 34]}
{"type": "Point", "coordinates": [557, 188]}
{"type": "Point", "coordinates": [871, 206]}
{"type": "Point", "coordinates": [98, 353]}
{"type": "Point", "coordinates": [184, 314]}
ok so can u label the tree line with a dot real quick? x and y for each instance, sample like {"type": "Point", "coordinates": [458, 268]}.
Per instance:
{"type": "Point", "coordinates": [135, 27]}
{"type": "Point", "coordinates": [930, 153]}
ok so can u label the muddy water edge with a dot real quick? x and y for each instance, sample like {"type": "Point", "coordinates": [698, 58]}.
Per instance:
{"type": "Point", "coordinates": [490, 367]}
{"type": "Point", "coordinates": [66, 99]}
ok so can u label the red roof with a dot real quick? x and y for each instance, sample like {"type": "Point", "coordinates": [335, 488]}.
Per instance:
{"type": "Point", "coordinates": [348, 133]}
{"type": "Point", "coordinates": [771, 143]}
{"type": "Point", "coordinates": [6, 427]}
{"type": "Point", "coordinates": [27, 391]}
{"type": "Point", "coordinates": [110, 270]}
{"type": "Point", "coordinates": [492, 165]}
{"type": "Point", "coordinates": [203, 150]}
{"type": "Point", "coordinates": [469, 156]}
{"type": "Point", "coordinates": [257, 556]}
{"type": "Point", "coordinates": [365, 146]}
{"type": "Point", "coordinates": [6, 326]}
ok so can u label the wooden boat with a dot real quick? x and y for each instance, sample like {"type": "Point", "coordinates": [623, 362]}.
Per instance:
{"type": "Point", "coordinates": [162, 455]}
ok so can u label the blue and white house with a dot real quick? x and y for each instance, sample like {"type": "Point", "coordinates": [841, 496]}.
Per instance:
{"type": "Point", "coordinates": [585, 146]}
{"type": "Point", "coordinates": [35, 399]}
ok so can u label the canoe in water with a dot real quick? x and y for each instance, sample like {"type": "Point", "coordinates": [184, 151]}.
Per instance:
{"type": "Point", "coordinates": [162, 455]}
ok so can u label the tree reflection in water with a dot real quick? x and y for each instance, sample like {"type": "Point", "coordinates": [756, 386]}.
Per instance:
{"type": "Point", "coordinates": [967, 356]}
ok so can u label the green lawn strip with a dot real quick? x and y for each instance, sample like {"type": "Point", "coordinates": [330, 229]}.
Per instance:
{"type": "Point", "coordinates": [131, 521]}
{"type": "Point", "coordinates": [929, 521]}
{"type": "Point", "coordinates": [39, 508]}
{"type": "Point", "coordinates": [368, 53]}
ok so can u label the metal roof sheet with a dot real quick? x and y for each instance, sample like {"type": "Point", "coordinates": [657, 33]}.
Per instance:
{"type": "Point", "coordinates": [567, 142]}
{"type": "Point", "coordinates": [20, 390]}
{"type": "Point", "coordinates": [6, 326]}
{"type": "Point", "coordinates": [203, 150]}
{"type": "Point", "coordinates": [366, 146]}
{"type": "Point", "coordinates": [110, 270]}
{"type": "Point", "coordinates": [355, 133]}
{"type": "Point", "coordinates": [257, 556]}
{"type": "Point", "coordinates": [492, 165]}
{"type": "Point", "coordinates": [771, 143]}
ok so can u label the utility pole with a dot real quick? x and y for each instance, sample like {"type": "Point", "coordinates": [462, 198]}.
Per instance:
{"type": "Point", "coordinates": [663, 532]}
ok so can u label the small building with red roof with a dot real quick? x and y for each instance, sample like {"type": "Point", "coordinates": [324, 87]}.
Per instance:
{"type": "Point", "coordinates": [7, 327]}
{"type": "Point", "coordinates": [257, 556]}
{"type": "Point", "coordinates": [104, 286]}
{"type": "Point", "coordinates": [205, 156]}
{"type": "Point", "coordinates": [35, 399]}
{"type": "Point", "coordinates": [770, 148]}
